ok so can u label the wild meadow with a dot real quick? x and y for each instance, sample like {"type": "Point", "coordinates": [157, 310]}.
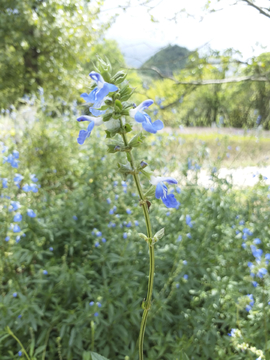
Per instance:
{"type": "Point", "coordinates": [74, 270]}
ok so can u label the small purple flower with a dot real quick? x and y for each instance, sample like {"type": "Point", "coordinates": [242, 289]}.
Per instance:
{"type": "Point", "coordinates": [99, 233]}
{"type": "Point", "coordinates": [7, 238]}
{"type": "Point", "coordinates": [254, 283]}
{"type": "Point", "coordinates": [103, 240]}
{"type": "Point", "coordinates": [185, 277]}
{"type": "Point", "coordinates": [17, 179]}
{"type": "Point", "coordinates": [20, 353]}
{"type": "Point", "coordinates": [91, 303]}
{"type": "Point", "coordinates": [125, 235]}
{"type": "Point", "coordinates": [96, 314]}
{"type": "Point", "coordinates": [17, 217]}
{"type": "Point", "coordinates": [51, 248]}
{"type": "Point", "coordinates": [232, 333]}
{"type": "Point", "coordinates": [128, 211]}
{"type": "Point", "coordinates": [15, 295]}
{"type": "Point", "coordinates": [45, 272]}
{"type": "Point", "coordinates": [19, 316]}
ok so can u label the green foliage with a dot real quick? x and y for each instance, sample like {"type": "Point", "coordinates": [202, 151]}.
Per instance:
{"type": "Point", "coordinates": [189, 318]}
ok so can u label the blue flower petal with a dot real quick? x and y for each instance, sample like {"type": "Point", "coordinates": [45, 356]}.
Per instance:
{"type": "Point", "coordinates": [90, 98]}
{"type": "Point", "coordinates": [170, 201]}
{"type": "Point", "coordinates": [160, 190]}
{"type": "Point", "coordinates": [148, 126]}
{"type": "Point", "coordinates": [158, 125]}
{"type": "Point", "coordinates": [96, 77]}
{"type": "Point", "coordinates": [96, 112]}
{"type": "Point", "coordinates": [104, 91]}
{"type": "Point", "coordinates": [82, 136]}
{"type": "Point", "coordinates": [145, 104]}
{"type": "Point", "coordinates": [139, 117]}
{"type": "Point", "coordinates": [90, 127]}
{"type": "Point", "coordinates": [169, 180]}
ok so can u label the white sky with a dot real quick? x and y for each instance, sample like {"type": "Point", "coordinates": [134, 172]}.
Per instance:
{"type": "Point", "coordinates": [240, 27]}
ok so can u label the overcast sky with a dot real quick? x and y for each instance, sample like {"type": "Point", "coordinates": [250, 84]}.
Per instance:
{"type": "Point", "coordinates": [240, 27]}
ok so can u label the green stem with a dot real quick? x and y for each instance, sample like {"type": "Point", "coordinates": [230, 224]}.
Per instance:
{"type": "Point", "coordinates": [18, 341]}
{"type": "Point", "coordinates": [147, 303]}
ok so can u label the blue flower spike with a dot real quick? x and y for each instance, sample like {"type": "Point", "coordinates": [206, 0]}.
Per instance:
{"type": "Point", "coordinates": [97, 95]}
{"type": "Point", "coordinates": [84, 134]}
{"type": "Point", "coordinates": [169, 200]}
{"type": "Point", "coordinates": [142, 117]}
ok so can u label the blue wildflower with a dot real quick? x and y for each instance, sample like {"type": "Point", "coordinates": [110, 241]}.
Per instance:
{"type": "Point", "coordinates": [31, 213]}
{"type": "Point", "coordinates": [20, 353]}
{"type": "Point", "coordinates": [241, 222]}
{"type": "Point", "coordinates": [14, 294]}
{"type": "Point", "coordinates": [108, 200]}
{"type": "Point", "coordinates": [185, 262]}
{"type": "Point", "coordinates": [11, 159]}
{"type": "Point", "coordinates": [261, 272]}
{"type": "Point", "coordinates": [16, 228]}
{"type": "Point", "coordinates": [232, 333]}
{"type": "Point", "coordinates": [19, 316]}
{"type": "Point", "coordinates": [17, 217]}
{"type": "Point", "coordinates": [18, 238]}
{"type": "Point", "coordinates": [179, 238]}
{"type": "Point", "coordinates": [254, 283]}
{"type": "Point", "coordinates": [128, 211]}
{"type": "Point", "coordinates": [188, 221]}
{"type": "Point", "coordinates": [189, 235]}
{"type": "Point", "coordinates": [84, 134]}
{"type": "Point", "coordinates": [99, 233]}
{"type": "Point", "coordinates": [51, 248]}
{"type": "Point", "coordinates": [103, 240]}
{"type": "Point", "coordinates": [244, 245]}
{"type": "Point", "coordinates": [103, 88]}
{"type": "Point", "coordinates": [97, 244]}
{"type": "Point", "coordinates": [256, 241]}
{"type": "Point", "coordinates": [237, 232]}
{"type": "Point", "coordinates": [45, 272]}
{"type": "Point", "coordinates": [136, 223]}
{"type": "Point", "coordinates": [96, 314]}
{"type": "Point", "coordinates": [33, 178]}
{"type": "Point", "coordinates": [125, 235]}
{"type": "Point", "coordinates": [162, 192]}
{"type": "Point", "coordinates": [4, 183]}
{"type": "Point", "coordinates": [116, 197]}
{"type": "Point", "coordinates": [168, 213]}
{"type": "Point", "coordinates": [15, 205]}
{"type": "Point", "coordinates": [185, 277]}
{"type": "Point", "coordinates": [31, 187]}
{"type": "Point", "coordinates": [74, 217]}
{"type": "Point", "coordinates": [7, 238]}
{"type": "Point", "coordinates": [99, 304]}
{"type": "Point", "coordinates": [142, 117]}
{"type": "Point", "coordinates": [91, 303]}
{"type": "Point", "coordinates": [178, 190]}
{"type": "Point", "coordinates": [17, 179]}
{"type": "Point", "coordinates": [267, 256]}
{"type": "Point", "coordinates": [177, 285]}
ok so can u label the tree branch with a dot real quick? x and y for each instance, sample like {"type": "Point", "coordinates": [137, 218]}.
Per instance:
{"type": "Point", "coordinates": [257, 7]}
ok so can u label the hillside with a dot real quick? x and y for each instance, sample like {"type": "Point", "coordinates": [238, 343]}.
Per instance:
{"type": "Point", "coordinates": [167, 61]}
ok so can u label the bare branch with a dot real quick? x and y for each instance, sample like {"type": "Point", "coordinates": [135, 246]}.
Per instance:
{"type": "Point", "coordinates": [257, 7]}
{"type": "Point", "coordinates": [225, 81]}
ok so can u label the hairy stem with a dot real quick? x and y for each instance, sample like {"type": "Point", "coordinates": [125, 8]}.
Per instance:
{"type": "Point", "coordinates": [147, 302]}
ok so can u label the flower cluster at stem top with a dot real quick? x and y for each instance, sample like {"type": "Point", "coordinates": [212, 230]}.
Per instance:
{"type": "Point", "coordinates": [108, 105]}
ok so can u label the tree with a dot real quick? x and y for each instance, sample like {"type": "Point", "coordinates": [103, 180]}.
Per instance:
{"type": "Point", "coordinates": [43, 43]}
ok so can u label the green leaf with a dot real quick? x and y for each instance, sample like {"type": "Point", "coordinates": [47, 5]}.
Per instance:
{"type": "Point", "coordinates": [151, 191]}
{"type": "Point", "coordinates": [136, 140]}
{"type": "Point", "coordinates": [96, 356]}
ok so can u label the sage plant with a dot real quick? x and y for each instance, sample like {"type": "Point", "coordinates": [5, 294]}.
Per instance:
{"type": "Point", "coordinates": [109, 105]}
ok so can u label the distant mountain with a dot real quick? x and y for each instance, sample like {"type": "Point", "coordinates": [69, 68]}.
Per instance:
{"type": "Point", "coordinates": [167, 61]}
